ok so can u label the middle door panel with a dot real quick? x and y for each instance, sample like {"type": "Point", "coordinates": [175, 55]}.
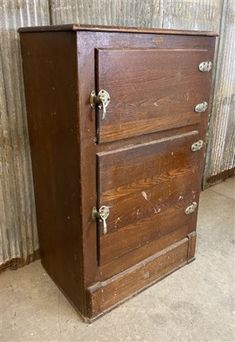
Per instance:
{"type": "Point", "coordinates": [147, 187]}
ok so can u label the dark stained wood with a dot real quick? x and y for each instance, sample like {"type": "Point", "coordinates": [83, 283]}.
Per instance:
{"type": "Point", "coordinates": [136, 255]}
{"type": "Point", "coordinates": [145, 97]}
{"type": "Point", "coordinates": [87, 42]}
{"type": "Point", "coordinates": [104, 295]}
{"type": "Point", "coordinates": [192, 245]}
{"type": "Point", "coordinates": [136, 161]}
{"type": "Point", "coordinates": [106, 28]}
{"type": "Point", "coordinates": [51, 98]}
{"type": "Point", "coordinates": [143, 185]}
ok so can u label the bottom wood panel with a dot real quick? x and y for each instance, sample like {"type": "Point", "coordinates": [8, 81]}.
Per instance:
{"type": "Point", "coordinates": [105, 295]}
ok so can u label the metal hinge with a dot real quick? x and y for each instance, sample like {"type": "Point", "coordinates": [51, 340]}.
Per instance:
{"type": "Point", "coordinates": [197, 145]}
{"type": "Point", "coordinates": [201, 107]}
{"type": "Point", "coordinates": [190, 209]}
{"type": "Point", "coordinates": [205, 66]}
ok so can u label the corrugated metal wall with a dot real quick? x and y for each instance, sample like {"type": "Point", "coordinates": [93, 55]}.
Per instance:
{"type": "Point", "coordinates": [221, 147]}
{"type": "Point", "coordinates": [18, 231]}
{"type": "Point", "coordinates": [147, 13]}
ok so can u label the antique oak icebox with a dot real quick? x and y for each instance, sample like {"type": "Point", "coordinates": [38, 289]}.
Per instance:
{"type": "Point", "coordinates": [117, 122]}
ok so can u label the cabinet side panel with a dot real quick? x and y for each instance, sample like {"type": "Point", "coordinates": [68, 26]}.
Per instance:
{"type": "Point", "coordinates": [50, 78]}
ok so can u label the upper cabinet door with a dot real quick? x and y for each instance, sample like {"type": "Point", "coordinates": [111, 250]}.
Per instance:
{"type": "Point", "coordinates": [150, 90]}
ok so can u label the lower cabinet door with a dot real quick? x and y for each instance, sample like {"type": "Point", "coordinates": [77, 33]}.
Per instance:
{"type": "Point", "coordinates": [152, 192]}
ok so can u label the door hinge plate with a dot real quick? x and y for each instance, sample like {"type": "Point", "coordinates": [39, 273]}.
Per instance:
{"type": "Point", "coordinates": [205, 66]}
{"type": "Point", "coordinates": [197, 145]}
{"type": "Point", "coordinates": [191, 208]}
{"type": "Point", "coordinates": [201, 107]}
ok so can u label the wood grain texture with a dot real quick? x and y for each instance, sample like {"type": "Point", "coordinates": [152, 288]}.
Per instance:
{"type": "Point", "coordinates": [21, 238]}
{"type": "Point", "coordinates": [143, 186]}
{"type": "Point", "coordinates": [108, 28]}
{"type": "Point", "coordinates": [148, 179]}
{"type": "Point", "coordinates": [87, 42]}
{"type": "Point", "coordinates": [145, 97]}
{"type": "Point", "coordinates": [192, 245]}
{"type": "Point", "coordinates": [175, 14]}
{"type": "Point", "coordinates": [105, 295]}
{"type": "Point", "coordinates": [144, 251]}
{"type": "Point", "coordinates": [51, 98]}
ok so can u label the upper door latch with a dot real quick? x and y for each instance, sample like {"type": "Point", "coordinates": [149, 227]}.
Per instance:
{"type": "Point", "coordinates": [101, 101]}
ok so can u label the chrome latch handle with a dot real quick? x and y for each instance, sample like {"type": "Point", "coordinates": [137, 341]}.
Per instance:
{"type": "Point", "coordinates": [102, 214]}
{"type": "Point", "coordinates": [101, 100]}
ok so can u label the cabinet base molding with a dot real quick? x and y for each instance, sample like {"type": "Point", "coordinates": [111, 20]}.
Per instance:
{"type": "Point", "coordinates": [106, 295]}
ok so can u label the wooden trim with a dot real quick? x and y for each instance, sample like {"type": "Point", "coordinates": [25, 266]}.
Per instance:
{"type": "Point", "coordinates": [105, 295]}
{"type": "Point", "coordinates": [77, 27]}
{"type": "Point", "coordinates": [219, 177]}
{"type": "Point", "coordinates": [191, 246]}
{"type": "Point", "coordinates": [16, 263]}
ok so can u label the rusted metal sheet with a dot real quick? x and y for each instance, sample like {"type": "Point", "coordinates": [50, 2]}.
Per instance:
{"type": "Point", "coordinates": [221, 146]}
{"type": "Point", "coordinates": [18, 232]}
{"type": "Point", "coordinates": [106, 12]}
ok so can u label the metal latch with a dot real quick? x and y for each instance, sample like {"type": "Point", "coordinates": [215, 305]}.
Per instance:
{"type": "Point", "coordinates": [205, 66]}
{"type": "Point", "coordinates": [102, 214]}
{"type": "Point", "coordinates": [190, 209]}
{"type": "Point", "coordinates": [201, 107]}
{"type": "Point", "coordinates": [197, 145]}
{"type": "Point", "coordinates": [101, 101]}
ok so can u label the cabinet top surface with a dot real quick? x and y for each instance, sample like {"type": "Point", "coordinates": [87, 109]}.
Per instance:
{"type": "Point", "coordinates": [79, 27]}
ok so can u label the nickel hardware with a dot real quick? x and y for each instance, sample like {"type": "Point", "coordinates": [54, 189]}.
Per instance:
{"type": "Point", "coordinates": [101, 100]}
{"type": "Point", "coordinates": [201, 107]}
{"type": "Point", "coordinates": [197, 145]}
{"type": "Point", "coordinates": [205, 66]}
{"type": "Point", "coordinates": [102, 214]}
{"type": "Point", "coordinates": [191, 208]}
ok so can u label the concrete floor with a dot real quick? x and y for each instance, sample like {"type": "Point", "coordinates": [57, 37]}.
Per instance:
{"type": "Point", "coordinates": [193, 304]}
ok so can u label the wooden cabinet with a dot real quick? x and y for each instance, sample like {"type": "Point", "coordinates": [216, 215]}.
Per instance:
{"type": "Point", "coordinates": [117, 121]}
